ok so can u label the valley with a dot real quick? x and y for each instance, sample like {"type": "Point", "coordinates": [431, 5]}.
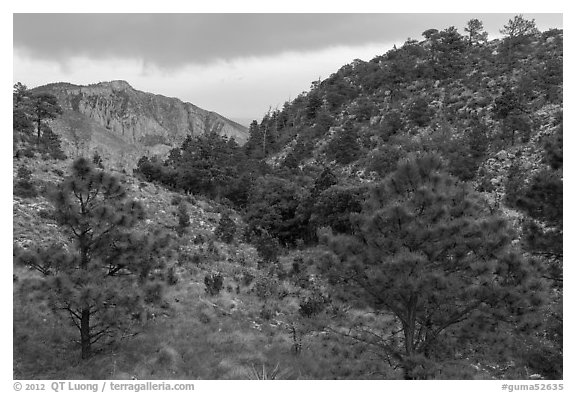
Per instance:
{"type": "Point", "coordinates": [402, 219]}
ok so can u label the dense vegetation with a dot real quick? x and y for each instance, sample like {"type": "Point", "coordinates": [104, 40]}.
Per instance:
{"type": "Point", "coordinates": [405, 214]}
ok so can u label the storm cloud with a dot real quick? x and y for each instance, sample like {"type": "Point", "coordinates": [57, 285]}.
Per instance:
{"type": "Point", "coordinates": [174, 40]}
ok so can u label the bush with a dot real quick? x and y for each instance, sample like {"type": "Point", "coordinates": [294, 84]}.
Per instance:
{"type": "Point", "coordinates": [392, 124]}
{"type": "Point", "coordinates": [196, 259]}
{"type": "Point", "coordinates": [247, 278]}
{"type": "Point", "coordinates": [28, 152]}
{"type": "Point", "coordinates": [214, 283]}
{"type": "Point", "coordinates": [344, 147]}
{"type": "Point", "coordinates": [226, 229]}
{"type": "Point", "coordinates": [384, 160]}
{"type": "Point", "coordinates": [172, 278]}
{"type": "Point", "coordinates": [265, 287]}
{"type": "Point", "coordinates": [24, 187]}
{"type": "Point", "coordinates": [46, 214]}
{"type": "Point", "coordinates": [268, 248]}
{"type": "Point", "coordinates": [153, 292]}
{"type": "Point", "coordinates": [199, 239]}
{"type": "Point", "coordinates": [516, 124]}
{"type": "Point", "coordinates": [267, 312]}
{"type": "Point", "coordinates": [51, 144]}
{"type": "Point", "coordinates": [420, 113]}
{"type": "Point", "coordinates": [176, 200]}
{"type": "Point", "coordinates": [183, 219]}
{"type": "Point", "coordinates": [97, 160]}
{"type": "Point", "coordinates": [312, 305]}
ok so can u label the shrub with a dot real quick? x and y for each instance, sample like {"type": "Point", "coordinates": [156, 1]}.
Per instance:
{"type": "Point", "coordinates": [392, 124]}
{"type": "Point", "coordinates": [384, 160]}
{"type": "Point", "coordinates": [24, 187]}
{"type": "Point", "coordinates": [420, 113]}
{"type": "Point", "coordinates": [247, 278]}
{"type": "Point", "coordinates": [97, 160]}
{"type": "Point", "coordinates": [268, 248]}
{"type": "Point", "coordinates": [28, 153]}
{"type": "Point", "coordinates": [199, 239]}
{"type": "Point", "coordinates": [214, 283]}
{"type": "Point", "coordinates": [51, 144]}
{"type": "Point", "coordinates": [344, 147]}
{"type": "Point", "coordinates": [153, 292]}
{"type": "Point", "coordinates": [196, 259]}
{"type": "Point", "coordinates": [312, 305]}
{"type": "Point", "coordinates": [226, 229]}
{"type": "Point", "coordinates": [172, 278]}
{"type": "Point", "coordinates": [183, 219]}
{"type": "Point", "coordinates": [46, 214]}
{"type": "Point", "coordinates": [266, 313]}
{"type": "Point", "coordinates": [265, 287]}
{"type": "Point", "coordinates": [176, 200]}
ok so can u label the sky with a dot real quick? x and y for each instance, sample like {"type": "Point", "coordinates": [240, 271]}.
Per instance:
{"type": "Point", "coordinates": [239, 65]}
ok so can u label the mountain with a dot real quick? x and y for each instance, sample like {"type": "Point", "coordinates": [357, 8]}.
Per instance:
{"type": "Point", "coordinates": [408, 209]}
{"type": "Point", "coordinates": [481, 106]}
{"type": "Point", "coordinates": [123, 123]}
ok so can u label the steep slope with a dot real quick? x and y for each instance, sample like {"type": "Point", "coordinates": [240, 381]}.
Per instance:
{"type": "Point", "coordinates": [123, 123]}
{"type": "Point", "coordinates": [478, 106]}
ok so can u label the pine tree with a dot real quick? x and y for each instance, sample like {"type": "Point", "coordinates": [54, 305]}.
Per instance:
{"type": "Point", "coordinates": [344, 148]}
{"type": "Point", "coordinates": [476, 33]}
{"type": "Point", "coordinates": [427, 251]}
{"type": "Point", "coordinates": [518, 27]}
{"type": "Point", "coordinates": [44, 106]}
{"type": "Point", "coordinates": [20, 103]}
{"type": "Point", "coordinates": [51, 144]}
{"type": "Point", "coordinates": [98, 279]}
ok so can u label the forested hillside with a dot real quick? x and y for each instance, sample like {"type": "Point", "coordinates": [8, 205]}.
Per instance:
{"type": "Point", "coordinates": [401, 219]}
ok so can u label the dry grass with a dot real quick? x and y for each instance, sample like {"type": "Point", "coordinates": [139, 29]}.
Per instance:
{"type": "Point", "coordinates": [193, 335]}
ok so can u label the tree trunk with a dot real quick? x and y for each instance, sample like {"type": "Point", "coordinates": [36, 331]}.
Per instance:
{"type": "Point", "coordinates": [39, 121]}
{"type": "Point", "coordinates": [85, 339]}
{"type": "Point", "coordinates": [409, 327]}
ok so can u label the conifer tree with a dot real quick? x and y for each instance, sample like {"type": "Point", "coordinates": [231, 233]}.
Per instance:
{"type": "Point", "coordinates": [21, 123]}
{"type": "Point", "coordinates": [476, 33]}
{"type": "Point", "coordinates": [98, 279]}
{"type": "Point", "coordinates": [427, 251]}
{"type": "Point", "coordinates": [519, 26]}
{"type": "Point", "coordinates": [44, 106]}
{"type": "Point", "coordinates": [226, 229]}
{"type": "Point", "coordinates": [344, 148]}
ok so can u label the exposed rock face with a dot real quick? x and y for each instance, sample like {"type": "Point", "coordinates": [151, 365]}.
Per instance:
{"type": "Point", "coordinates": [142, 118]}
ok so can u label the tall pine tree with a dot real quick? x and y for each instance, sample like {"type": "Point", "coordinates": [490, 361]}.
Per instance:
{"type": "Point", "coordinates": [98, 279]}
{"type": "Point", "coordinates": [427, 251]}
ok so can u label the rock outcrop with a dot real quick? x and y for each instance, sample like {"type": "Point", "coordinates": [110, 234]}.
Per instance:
{"type": "Point", "coordinates": [141, 118]}
{"type": "Point", "coordinates": [123, 123]}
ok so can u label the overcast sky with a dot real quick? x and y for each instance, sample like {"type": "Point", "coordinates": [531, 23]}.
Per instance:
{"type": "Point", "coordinates": [238, 65]}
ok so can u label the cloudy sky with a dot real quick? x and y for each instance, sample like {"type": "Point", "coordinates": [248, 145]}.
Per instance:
{"type": "Point", "coordinates": [238, 65]}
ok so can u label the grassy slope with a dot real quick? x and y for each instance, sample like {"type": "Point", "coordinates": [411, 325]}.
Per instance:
{"type": "Point", "coordinates": [190, 335]}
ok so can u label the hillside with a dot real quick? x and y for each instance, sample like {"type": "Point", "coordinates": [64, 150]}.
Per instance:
{"type": "Point", "coordinates": [480, 106]}
{"type": "Point", "coordinates": [123, 123]}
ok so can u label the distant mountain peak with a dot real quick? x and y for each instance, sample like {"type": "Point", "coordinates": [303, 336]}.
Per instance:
{"type": "Point", "coordinates": [115, 119]}
{"type": "Point", "coordinates": [117, 84]}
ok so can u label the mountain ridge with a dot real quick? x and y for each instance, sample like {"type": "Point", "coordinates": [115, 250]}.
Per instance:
{"type": "Point", "coordinates": [122, 122]}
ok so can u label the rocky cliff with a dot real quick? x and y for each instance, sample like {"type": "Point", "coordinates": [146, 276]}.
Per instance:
{"type": "Point", "coordinates": [114, 118]}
